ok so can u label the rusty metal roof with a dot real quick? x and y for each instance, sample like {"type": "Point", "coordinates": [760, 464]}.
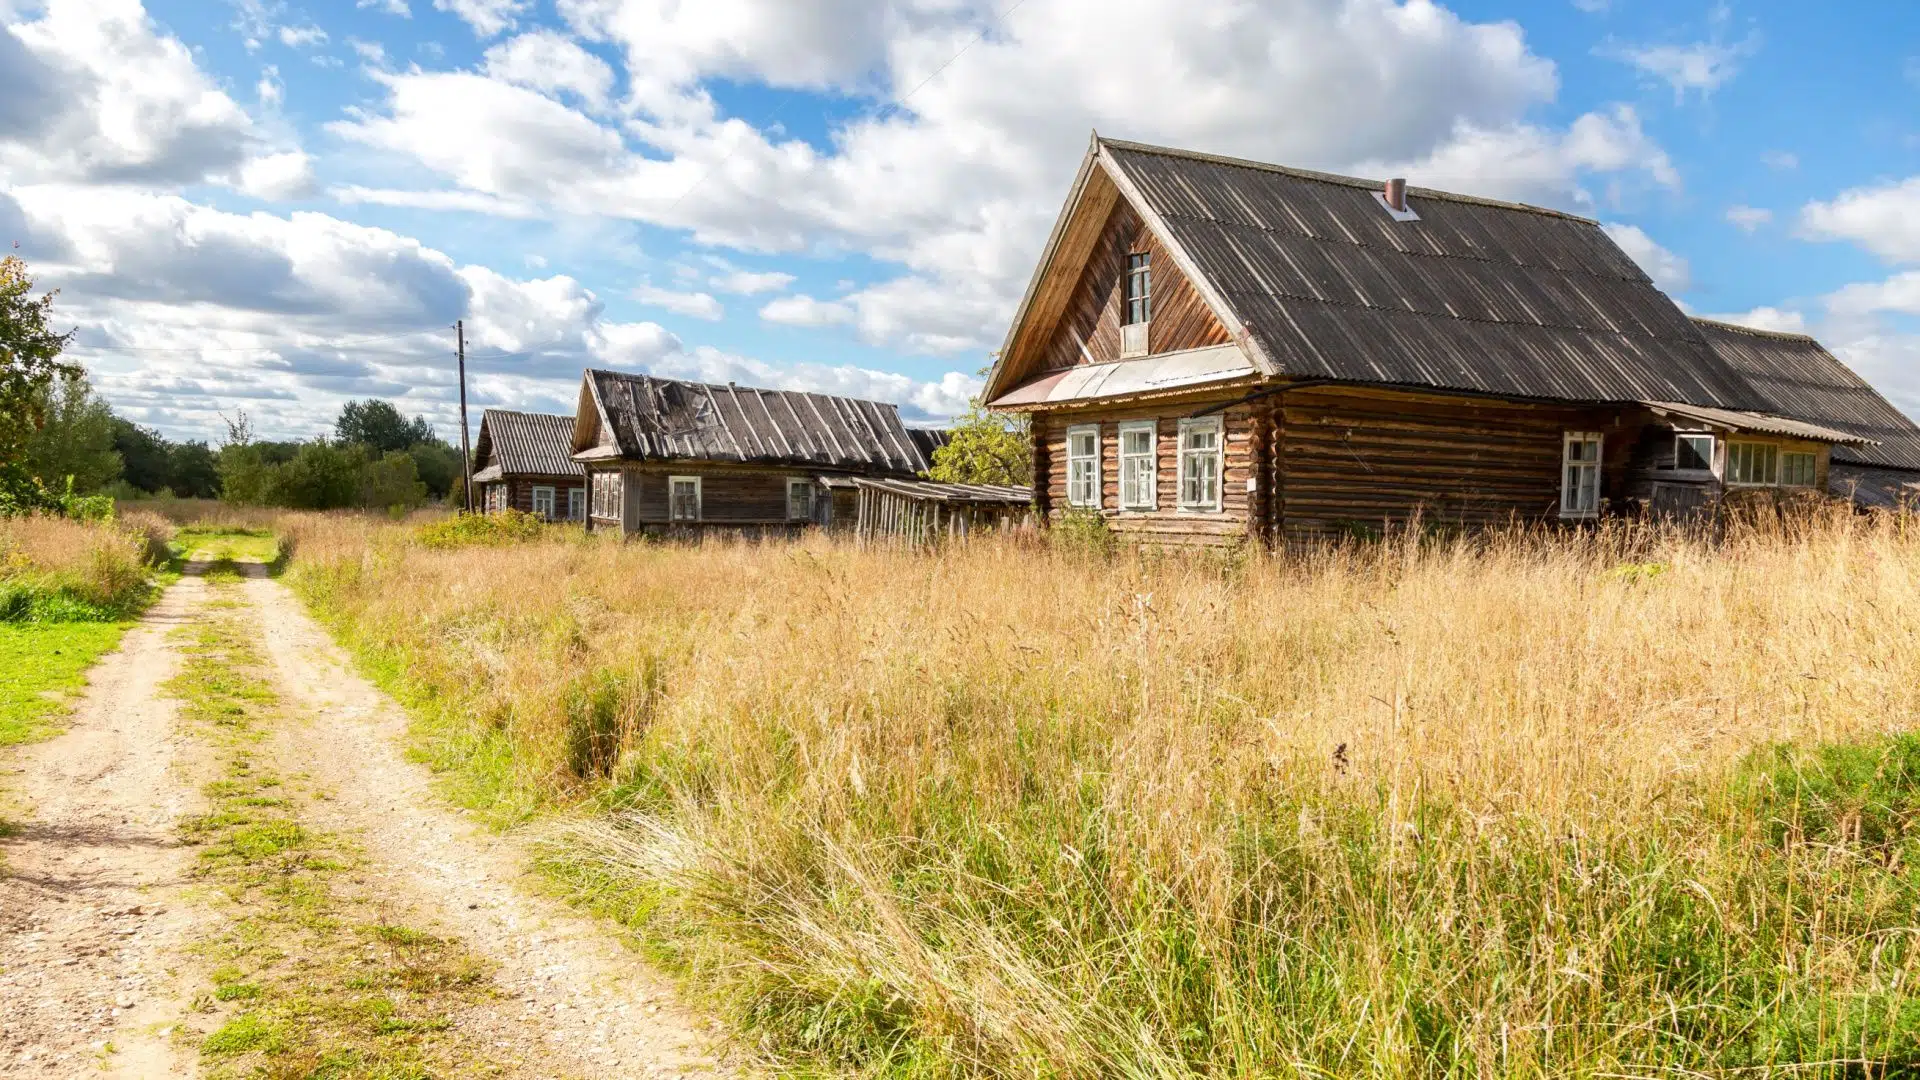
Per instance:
{"type": "Point", "coordinates": [1475, 295]}
{"type": "Point", "coordinates": [524, 444]}
{"type": "Point", "coordinates": [653, 419]}
{"type": "Point", "coordinates": [1796, 377]}
{"type": "Point", "coordinates": [931, 491]}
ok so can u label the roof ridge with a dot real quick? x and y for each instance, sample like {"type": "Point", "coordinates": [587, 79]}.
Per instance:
{"type": "Point", "coordinates": [1785, 335]}
{"type": "Point", "coordinates": [634, 375]}
{"type": "Point", "coordinates": [1340, 179]}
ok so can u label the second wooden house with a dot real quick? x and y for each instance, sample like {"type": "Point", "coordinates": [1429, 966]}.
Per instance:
{"type": "Point", "coordinates": [665, 455]}
{"type": "Point", "coordinates": [523, 461]}
{"type": "Point", "coordinates": [1215, 350]}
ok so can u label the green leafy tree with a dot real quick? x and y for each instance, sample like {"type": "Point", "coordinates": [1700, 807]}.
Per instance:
{"type": "Point", "coordinates": [145, 455]}
{"type": "Point", "coordinates": [438, 465]}
{"type": "Point", "coordinates": [29, 363]}
{"type": "Point", "coordinates": [985, 447]}
{"type": "Point", "coordinates": [322, 476]}
{"type": "Point", "coordinates": [392, 480]}
{"type": "Point", "coordinates": [192, 471]}
{"type": "Point", "coordinates": [73, 450]}
{"type": "Point", "coordinates": [378, 426]}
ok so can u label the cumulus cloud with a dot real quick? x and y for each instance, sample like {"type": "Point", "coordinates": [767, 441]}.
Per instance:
{"type": "Point", "coordinates": [695, 305]}
{"type": "Point", "coordinates": [732, 279]}
{"type": "Point", "coordinates": [1899, 294]}
{"type": "Point", "coordinates": [1700, 67]}
{"type": "Point", "coordinates": [803, 310]}
{"type": "Point", "coordinates": [277, 177]}
{"type": "Point", "coordinates": [1748, 218]}
{"type": "Point", "coordinates": [1776, 319]}
{"type": "Point", "coordinates": [957, 186]}
{"type": "Point", "coordinates": [487, 17]}
{"type": "Point", "coordinates": [1879, 218]}
{"type": "Point", "coordinates": [551, 64]}
{"type": "Point", "coordinates": [1668, 271]}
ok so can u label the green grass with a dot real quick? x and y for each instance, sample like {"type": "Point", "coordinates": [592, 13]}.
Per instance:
{"type": "Point", "coordinates": [230, 545]}
{"type": "Point", "coordinates": [41, 663]}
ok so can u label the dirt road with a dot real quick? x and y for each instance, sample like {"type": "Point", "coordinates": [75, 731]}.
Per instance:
{"type": "Point", "coordinates": [100, 921]}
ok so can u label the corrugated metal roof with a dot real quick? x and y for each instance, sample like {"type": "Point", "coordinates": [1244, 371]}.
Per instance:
{"type": "Point", "coordinates": [930, 491]}
{"type": "Point", "coordinates": [1795, 376]}
{"type": "Point", "coordinates": [524, 444]}
{"type": "Point", "coordinates": [1125, 378]}
{"type": "Point", "coordinates": [1869, 485]}
{"type": "Point", "coordinates": [653, 419]}
{"type": "Point", "coordinates": [1765, 423]}
{"type": "Point", "coordinates": [1476, 295]}
{"type": "Point", "coordinates": [929, 439]}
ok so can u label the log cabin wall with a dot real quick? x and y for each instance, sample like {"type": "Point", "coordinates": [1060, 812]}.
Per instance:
{"type": "Point", "coordinates": [1089, 329]}
{"type": "Point", "coordinates": [520, 492]}
{"type": "Point", "coordinates": [1352, 461]}
{"type": "Point", "coordinates": [1167, 524]}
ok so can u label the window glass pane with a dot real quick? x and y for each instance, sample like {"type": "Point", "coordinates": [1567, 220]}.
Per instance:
{"type": "Point", "coordinates": [1137, 441]}
{"type": "Point", "coordinates": [1797, 469]}
{"type": "Point", "coordinates": [1693, 452]}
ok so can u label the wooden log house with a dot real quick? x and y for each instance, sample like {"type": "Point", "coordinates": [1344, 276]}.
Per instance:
{"type": "Point", "coordinates": [525, 461]}
{"type": "Point", "coordinates": [669, 456]}
{"type": "Point", "coordinates": [1214, 350]}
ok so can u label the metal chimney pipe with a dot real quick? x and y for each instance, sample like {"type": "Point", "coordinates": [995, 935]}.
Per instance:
{"type": "Point", "coordinates": [1397, 193]}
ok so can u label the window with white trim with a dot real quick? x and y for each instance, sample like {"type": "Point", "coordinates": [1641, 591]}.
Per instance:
{"type": "Point", "coordinates": [683, 498]}
{"type": "Point", "coordinates": [1200, 464]}
{"type": "Point", "coordinates": [543, 502]}
{"type": "Point", "coordinates": [496, 498]}
{"type": "Point", "coordinates": [1139, 289]}
{"type": "Point", "coordinates": [609, 491]}
{"type": "Point", "coordinates": [1798, 468]}
{"type": "Point", "coordinates": [1139, 465]}
{"type": "Point", "coordinates": [576, 504]}
{"type": "Point", "coordinates": [1580, 475]}
{"type": "Point", "coordinates": [799, 499]}
{"type": "Point", "coordinates": [1753, 464]}
{"type": "Point", "coordinates": [1692, 451]}
{"type": "Point", "coordinates": [1083, 465]}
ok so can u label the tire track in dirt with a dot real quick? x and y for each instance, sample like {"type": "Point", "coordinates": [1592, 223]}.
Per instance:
{"type": "Point", "coordinates": [579, 1003]}
{"type": "Point", "coordinates": [93, 921]}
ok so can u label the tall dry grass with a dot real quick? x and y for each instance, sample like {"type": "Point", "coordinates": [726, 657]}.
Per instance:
{"type": "Point", "coordinates": [59, 569]}
{"type": "Point", "coordinates": [1572, 804]}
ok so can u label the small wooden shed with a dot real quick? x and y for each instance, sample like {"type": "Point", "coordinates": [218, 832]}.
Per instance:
{"type": "Point", "coordinates": [924, 511]}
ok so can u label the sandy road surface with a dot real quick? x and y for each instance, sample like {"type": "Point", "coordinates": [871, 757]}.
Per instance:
{"type": "Point", "coordinates": [92, 919]}
{"type": "Point", "coordinates": [98, 921]}
{"type": "Point", "coordinates": [580, 1004]}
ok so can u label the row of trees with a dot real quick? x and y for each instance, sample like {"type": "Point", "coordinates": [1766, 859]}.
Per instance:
{"type": "Point", "coordinates": [59, 439]}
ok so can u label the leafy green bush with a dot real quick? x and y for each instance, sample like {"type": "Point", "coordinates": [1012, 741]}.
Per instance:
{"type": "Point", "coordinates": [481, 530]}
{"type": "Point", "coordinates": [1083, 531]}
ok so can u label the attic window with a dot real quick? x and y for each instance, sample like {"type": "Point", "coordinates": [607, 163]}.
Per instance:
{"type": "Point", "coordinates": [1139, 288]}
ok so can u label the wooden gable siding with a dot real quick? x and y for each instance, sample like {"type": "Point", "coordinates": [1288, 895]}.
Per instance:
{"type": "Point", "coordinates": [728, 496]}
{"type": "Point", "coordinates": [1168, 524]}
{"type": "Point", "coordinates": [1358, 460]}
{"type": "Point", "coordinates": [1089, 328]}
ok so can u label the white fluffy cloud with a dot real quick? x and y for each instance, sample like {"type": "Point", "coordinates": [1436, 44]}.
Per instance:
{"type": "Point", "coordinates": [959, 186]}
{"type": "Point", "coordinates": [1699, 67]}
{"type": "Point", "coordinates": [487, 17]}
{"type": "Point", "coordinates": [550, 63]}
{"type": "Point", "coordinates": [1668, 271]}
{"type": "Point", "coordinates": [1879, 218]}
{"type": "Point", "coordinates": [695, 305]}
{"type": "Point", "coordinates": [1776, 319]}
{"type": "Point", "coordinates": [803, 310]}
{"type": "Point", "coordinates": [1749, 218]}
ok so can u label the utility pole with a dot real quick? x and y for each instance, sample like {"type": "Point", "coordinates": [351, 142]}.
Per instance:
{"type": "Point", "coordinates": [466, 452]}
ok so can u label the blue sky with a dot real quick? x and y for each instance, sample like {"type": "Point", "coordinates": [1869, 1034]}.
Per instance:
{"type": "Point", "coordinates": [278, 205]}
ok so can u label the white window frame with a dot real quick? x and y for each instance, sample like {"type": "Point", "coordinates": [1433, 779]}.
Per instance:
{"type": "Point", "coordinates": [548, 491]}
{"type": "Point", "coordinates": [1191, 458]}
{"type": "Point", "coordinates": [1133, 494]}
{"type": "Point", "coordinates": [1089, 498]}
{"type": "Point", "coordinates": [699, 509]}
{"type": "Point", "coordinates": [1813, 468]}
{"type": "Point", "coordinates": [496, 498]}
{"type": "Point", "coordinates": [1578, 501]}
{"type": "Point", "coordinates": [805, 488]}
{"type": "Point", "coordinates": [1734, 449]}
{"type": "Point", "coordinates": [1683, 436]}
{"type": "Point", "coordinates": [576, 504]}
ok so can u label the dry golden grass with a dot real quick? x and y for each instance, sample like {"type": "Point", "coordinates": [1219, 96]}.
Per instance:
{"type": "Point", "coordinates": [1503, 807]}
{"type": "Point", "coordinates": [54, 568]}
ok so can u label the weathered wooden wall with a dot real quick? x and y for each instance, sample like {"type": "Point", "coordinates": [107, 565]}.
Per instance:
{"type": "Point", "coordinates": [1089, 328]}
{"type": "Point", "coordinates": [520, 492]}
{"type": "Point", "coordinates": [1167, 525]}
{"type": "Point", "coordinates": [1356, 460]}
